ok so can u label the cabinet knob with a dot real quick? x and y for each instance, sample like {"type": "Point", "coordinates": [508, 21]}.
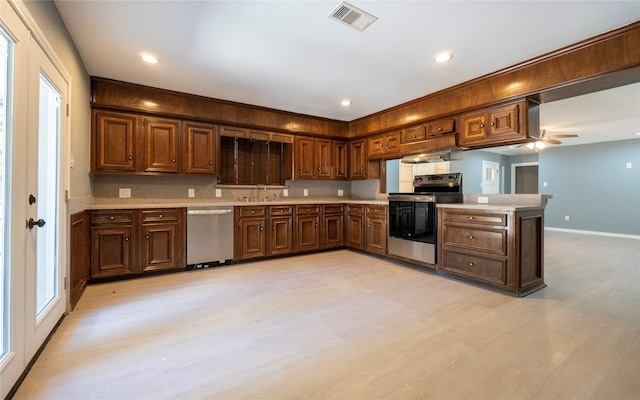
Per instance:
{"type": "Point", "coordinates": [318, 169]}
{"type": "Point", "coordinates": [470, 237]}
{"type": "Point", "coordinates": [316, 224]}
{"type": "Point", "coordinates": [414, 136]}
{"type": "Point", "coordinates": [471, 264]}
{"type": "Point", "coordinates": [481, 125]}
{"type": "Point", "coordinates": [261, 228]}
{"type": "Point", "coordinates": [469, 217]}
{"type": "Point", "coordinates": [274, 227]}
{"type": "Point", "coordinates": [492, 124]}
{"type": "Point", "coordinates": [160, 216]}
{"type": "Point", "coordinates": [210, 162]}
{"type": "Point", "coordinates": [253, 212]}
{"type": "Point", "coordinates": [146, 237]}
{"type": "Point", "coordinates": [126, 239]}
{"type": "Point", "coordinates": [130, 157]}
{"type": "Point", "coordinates": [439, 129]}
{"type": "Point", "coordinates": [300, 168]}
{"type": "Point", "coordinates": [111, 218]}
{"type": "Point", "coordinates": [173, 161]}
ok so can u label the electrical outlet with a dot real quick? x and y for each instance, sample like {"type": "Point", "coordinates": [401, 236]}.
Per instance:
{"type": "Point", "coordinates": [305, 192]}
{"type": "Point", "coordinates": [124, 193]}
{"type": "Point", "coordinates": [544, 184]}
{"type": "Point", "coordinates": [191, 192]}
{"type": "Point", "coordinates": [629, 165]}
{"type": "Point", "coordinates": [285, 192]}
{"type": "Point", "coordinates": [566, 218]}
{"type": "Point", "coordinates": [218, 192]}
{"type": "Point", "coordinates": [340, 192]}
{"type": "Point", "coordinates": [483, 200]}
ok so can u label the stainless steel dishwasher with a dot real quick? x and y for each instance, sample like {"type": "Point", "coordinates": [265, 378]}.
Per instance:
{"type": "Point", "coordinates": [209, 237]}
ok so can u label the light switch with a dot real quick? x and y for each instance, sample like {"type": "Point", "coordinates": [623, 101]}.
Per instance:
{"type": "Point", "coordinates": [629, 165]}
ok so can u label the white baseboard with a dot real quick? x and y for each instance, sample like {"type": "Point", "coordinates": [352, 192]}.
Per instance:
{"type": "Point", "coordinates": [620, 235]}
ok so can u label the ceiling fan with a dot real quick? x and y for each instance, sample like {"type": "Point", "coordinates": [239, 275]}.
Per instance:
{"type": "Point", "coordinates": [540, 142]}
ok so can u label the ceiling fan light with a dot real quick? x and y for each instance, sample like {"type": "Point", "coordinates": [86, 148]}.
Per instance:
{"type": "Point", "coordinates": [540, 145]}
{"type": "Point", "coordinates": [531, 145]}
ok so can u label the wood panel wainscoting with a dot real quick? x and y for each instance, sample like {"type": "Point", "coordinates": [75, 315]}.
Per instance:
{"type": "Point", "coordinates": [346, 325]}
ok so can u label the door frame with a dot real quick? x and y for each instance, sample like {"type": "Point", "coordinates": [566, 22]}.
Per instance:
{"type": "Point", "coordinates": [513, 172]}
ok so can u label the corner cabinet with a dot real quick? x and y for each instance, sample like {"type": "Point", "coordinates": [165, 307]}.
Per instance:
{"type": "Point", "coordinates": [502, 249]}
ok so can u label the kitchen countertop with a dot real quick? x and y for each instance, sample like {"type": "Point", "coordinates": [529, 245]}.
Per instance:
{"type": "Point", "coordinates": [491, 207]}
{"type": "Point", "coordinates": [108, 204]}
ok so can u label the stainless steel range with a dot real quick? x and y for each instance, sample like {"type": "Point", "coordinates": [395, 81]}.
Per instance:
{"type": "Point", "coordinates": [413, 227]}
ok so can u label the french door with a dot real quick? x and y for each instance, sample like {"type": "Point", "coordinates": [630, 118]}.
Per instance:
{"type": "Point", "coordinates": [32, 142]}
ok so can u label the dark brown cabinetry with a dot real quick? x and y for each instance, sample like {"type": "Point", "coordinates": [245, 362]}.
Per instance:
{"type": "Point", "coordinates": [497, 125]}
{"type": "Point", "coordinates": [376, 221]}
{"type": "Point", "coordinates": [503, 249]}
{"type": "Point", "coordinates": [358, 163]}
{"type": "Point", "coordinates": [280, 230]}
{"type": "Point", "coordinates": [320, 158]}
{"type": "Point", "coordinates": [263, 231]}
{"type": "Point", "coordinates": [308, 232]}
{"type": "Point", "coordinates": [161, 144]}
{"type": "Point", "coordinates": [79, 255]}
{"type": "Point", "coordinates": [355, 226]}
{"type": "Point", "coordinates": [201, 146]}
{"type": "Point", "coordinates": [114, 141]}
{"type": "Point", "coordinates": [129, 242]}
{"type": "Point", "coordinates": [386, 145]}
{"type": "Point", "coordinates": [332, 226]}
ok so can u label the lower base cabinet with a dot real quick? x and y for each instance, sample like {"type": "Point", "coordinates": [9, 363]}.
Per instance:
{"type": "Point", "coordinates": [502, 249]}
{"type": "Point", "coordinates": [131, 242]}
{"type": "Point", "coordinates": [376, 239]}
{"type": "Point", "coordinates": [262, 231]}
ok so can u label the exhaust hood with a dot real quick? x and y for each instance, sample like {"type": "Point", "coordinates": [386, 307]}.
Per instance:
{"type": "Point", "coordinates": [453, 153]}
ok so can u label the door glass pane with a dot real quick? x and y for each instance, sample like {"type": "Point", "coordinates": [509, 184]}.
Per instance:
{"type": "Point", "coordinates": [48, 172]}
{"type": "Point", "coordinates": [5, 91]}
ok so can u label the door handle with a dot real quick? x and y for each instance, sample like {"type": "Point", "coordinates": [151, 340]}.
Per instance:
{"type": "Point", "coordinates": [31, 223]}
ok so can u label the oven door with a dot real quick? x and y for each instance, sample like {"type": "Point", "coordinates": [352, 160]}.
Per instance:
{"type": "Point", "coordinates": [413, 220]}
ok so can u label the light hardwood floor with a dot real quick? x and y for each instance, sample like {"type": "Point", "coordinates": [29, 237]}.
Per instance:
{"type": "Point", "coordinates": [343, 325]}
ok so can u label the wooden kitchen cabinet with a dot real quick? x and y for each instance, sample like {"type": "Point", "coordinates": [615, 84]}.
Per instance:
{"type": "Point", "coordinates": [386, 146]}
{"type": "Point", "coordinates": [332, 226]}
{"type": "Point", "coordinates": [79, 255]}
{"type": "Point", "coordinates": [132, 242]}
{"type": "Point", "coordinates": [161, 144]}
{"type": "Point", "coordinates": [308, 233]}
{"type": "Point", "coordinates": [355, 226]}
{"type": "Point", "coordinates": [114, 141]}
{"type": "Point", "coordinates": [376, 229]}
{"type": "Point", "coordinates": [281, 230]}
{"type": "Point", "coordinates": [502, 249]}
{"type": "Point", "coordinates": [358, 160]}
{"type": "Point", "coordinates": [320, 158]}
{"type": "Point", "coordinates": [496, 125]}
{"type": "Point", "coordinates": [200, 148]}
{"type": "Point", "coordinates": [162, 242]}
{"type": "Point", "coordinates": [112, 243]}
{"type": "Point", "coordinates": [250, 232]}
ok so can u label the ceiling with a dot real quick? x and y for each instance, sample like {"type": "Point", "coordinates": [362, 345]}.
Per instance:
{"type": "Point", "coordinates": [289, 55]}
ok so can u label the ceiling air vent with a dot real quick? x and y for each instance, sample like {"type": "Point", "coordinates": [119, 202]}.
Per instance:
{"type": "Point", "coordinates": [352, 16]}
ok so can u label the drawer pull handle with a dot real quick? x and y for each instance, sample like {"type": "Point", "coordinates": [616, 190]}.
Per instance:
{"type": "Point", "coordinates": [253, 212]}
{"type": "Point", "coordinates": [160, 216]}
{"type": "Point", "coordinates": [469, 217]}
{"type": "Point", "coordinates": [470, 237]}
{"type": "Point", "coordinates": [111, 218]}
{"type": "Point", "coordinates": [471, 264]}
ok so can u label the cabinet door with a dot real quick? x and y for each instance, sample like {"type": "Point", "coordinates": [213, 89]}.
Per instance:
{"type": "Point", "coordinates": [392, 143]}
{"type": "Point", "coordinates": [504, 122]}
{"type": "Point", "coordinates": [339, 159]}
{"type": "Point", "coordinates": [114, 136]}
{"type": "Point", "coordinates": [333, 231]}
{"type": "Point", "coordinates": [376, 146]}
{"type": "Point", "coordinates": [160, 247]}
{"type": "Point", "coordinates": [358, 159]}
{"type": "Point", "coordinates": [377, 235]}
{"type": "Point", "coordinates": [79, 255]}
{"type": "Point", "coordinates": [473, 128]}
{"type": "Point", "coordinates": [281, 235]}
{"type": "Point", "coordinates": [161, 144]}
{"type": "Point", "coordinates": [252, 238]}
{"type": "Point", "coordinates": [323, 159]}
{"type": "Point", "coordinates": [111, 251]}
{"type": "Point", "coordinates": [201, 143]}
{"type": "Point", "coordinates": [414, 134]}
{"type": "Point", "coordinates": [308, 233]}
{"type": "Point", "coordinates": [355, 231]}
{"type": "Point", "coordinates": [304, 161]}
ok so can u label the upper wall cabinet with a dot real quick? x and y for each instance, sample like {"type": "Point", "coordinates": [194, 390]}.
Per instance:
{"type": "Point", "coordinates": [320, 158]}
{"type": "Point", "coordinates": [386, 145]}
{"type": "Point", "coordinates": [123, 142]}
{"type": "Point", "coordinates": [114, 141]}
{"type": "Point", "coordinates": [499, 125]}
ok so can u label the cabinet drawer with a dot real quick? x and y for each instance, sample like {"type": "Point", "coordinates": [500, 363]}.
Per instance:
{"type": "Point", "coordinates": [355, 209]}
{"type": "Point", "coordinates": [332, 209]}
{"type": "Point", "coordinates": [376, 209]}
{"type": "Point", "coordinates": [310, 209]}
{"type": "Point", "coordinates": [485, 269]}
{"type": "Point", "coordinates": [112, 217]}
{"type": "Point", "coordinates": [160, 215]}
{"type": "Point", "coordinates": [280, 210]}
{"type": "Point", "coordinates": [257, 211]}
{"type": "Point", "coordinates": [414, 134]}
{"type": "Point", "coordinates": [483, 240]}
{"type": "Point", "coordinates": [476, 218]}
{"type": "Point", "coordinates": [441, 126]}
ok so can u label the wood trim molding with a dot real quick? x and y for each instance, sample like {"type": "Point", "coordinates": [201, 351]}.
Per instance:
{"type": "Point", "coordinates": [582, 64]}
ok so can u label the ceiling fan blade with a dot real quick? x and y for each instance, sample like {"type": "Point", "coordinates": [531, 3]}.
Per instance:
{"type": "Point", "coordinates": [549, 140]}
{"type": "Point", "coordinates": [542, 133]}
{"type": "Point", "coordinates": [560, 136]}
{"type": "Point", "coordinates": [521, 145]}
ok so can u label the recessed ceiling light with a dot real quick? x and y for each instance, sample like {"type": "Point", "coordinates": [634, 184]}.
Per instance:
{"type": "Point", "coordinates": [637, 133]}
{"type": "Point", "coordinates": [345, 103]}
{"type": "Point", "coordinates": [149, 59]}
{"type": "Point", "coordinates": [443, 57]}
